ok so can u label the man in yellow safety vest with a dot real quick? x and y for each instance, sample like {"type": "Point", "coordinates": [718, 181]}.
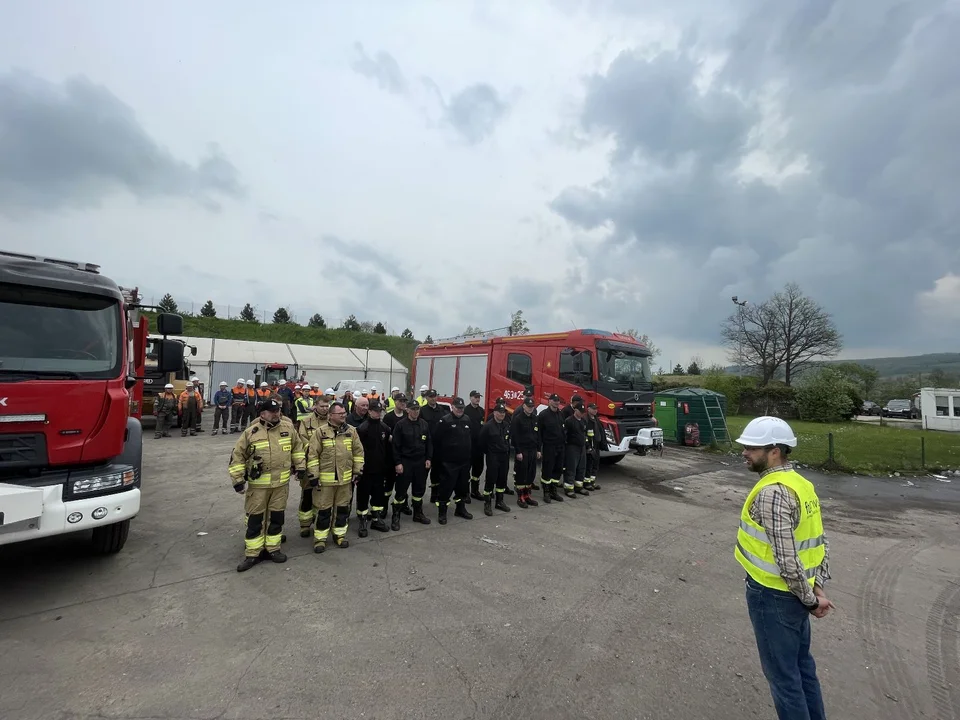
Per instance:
{"type": "Point", "coordinates": [782, 547]}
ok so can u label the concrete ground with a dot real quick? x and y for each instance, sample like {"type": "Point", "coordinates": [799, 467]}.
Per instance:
{"type": "Point", "coordinates": [627, 604]}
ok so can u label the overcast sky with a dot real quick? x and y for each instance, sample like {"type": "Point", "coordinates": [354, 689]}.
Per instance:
{"type": "Point", "coordinates": [604, 163]}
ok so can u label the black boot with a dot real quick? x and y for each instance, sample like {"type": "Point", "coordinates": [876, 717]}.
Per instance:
{"type": "Point", "coordinates": [475, 490]}
{"type": "Point", "coordinates": [488, 506]}
{"type": "Point", "coordinates": [554, 495]}
{"type": "Point", "coordinates": [461, 511]}
{"type": "Point", "coordinates": [247, 563]}
{"type": "Point", "coordinates": [305, 532]}
{"type": "Point", "coordinates": [395, 520]}
{"type": "Point", "coordinates": [501, 505]}
{"type": "Point", "coordinates": [546, 495]}
{"type": "Point", "coordinates": [521, 498]}
{"type": "Point", "coordinates": [418, 515]}
{"type": "Point", "coordinates": [379, 525]}
{"type": "Point", "coordinates": [442, 514]}
{"type": "Point", "coordinates": [530, 501]}
{"type": "Point", "coordinates": [278, 557]}
{"type": "Point", "coordinates": [508, 491]}
{"type": "Point", "coordinates": [405, 508]}
{"type": "Point", "coordinates": [570, 493]}
{"type": "Point", "coordinates": [581, 491]}
{"type": "Point", "coordinates": [362, 526]}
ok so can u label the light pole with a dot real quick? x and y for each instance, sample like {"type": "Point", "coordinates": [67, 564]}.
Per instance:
{"type": "Point", "coordinates": [740, 305]}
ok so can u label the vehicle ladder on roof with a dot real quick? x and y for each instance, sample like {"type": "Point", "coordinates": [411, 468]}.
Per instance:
{"type": "Point", "coordinates": [716, 419]}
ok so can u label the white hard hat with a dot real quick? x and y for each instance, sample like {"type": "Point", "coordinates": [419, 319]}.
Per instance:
{"type": "Point", "coordinates": [250, 382]}
{"type": "Point", "coordinates": [316, 386]}
{"type": "Point", "coordinates": [394, 389]}
{"type": "Point", "coordinates": [328, 391]}
{"type": "Point", "coordinates": [194, 379]}
{"type": "Point", "coordinates": [296, 387]}
{"type": "Point", "coordinates": [168, 386]}
{"type": "Point", "coordinates": [264, 384]}
{"type": "Point", "coordinates": [239, 381]}
{"type": "Point", "coordinates": [767, 430]}
{"type": "Point", "coordinates": [223, 383]}
{"type": "Point", "coordinates": [423, 387]}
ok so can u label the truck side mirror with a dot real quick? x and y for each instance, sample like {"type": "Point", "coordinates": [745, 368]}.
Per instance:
{"type": "Point", "coordinates": [169, 324]}
{"type": "Point", "coordinates": [169, 355]}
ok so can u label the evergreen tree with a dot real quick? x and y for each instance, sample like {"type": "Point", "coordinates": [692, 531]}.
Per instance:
{"type": "Point", "coordinates": [168, 305]}
{"type": "Point", "coordinates": [678, 370]}
{"type": "Point", "coordinates": [407, 334]}
{"type": "Point", "coordinates": [249, 314]}
{"type": "Point", "coordinates": [351, 323]}
{"type": "Point", "coordinates": [208, 310]}
{"type": "Point", "coordinates": [317, 321]}
{"type": "Point", "coordinates": [379, 329]}
{"type": "Point", "coordinates": [428, 339]}
{"type": "Point", "coordinates": [281, 317]}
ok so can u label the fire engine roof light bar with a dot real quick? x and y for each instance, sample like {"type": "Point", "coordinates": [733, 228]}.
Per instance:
{"type": "Point", "coordinates": [23, 418]}
{"type": "Point", "coordinates": [479, 335]}
{"type": "Point", "coordinates": [85, 267]}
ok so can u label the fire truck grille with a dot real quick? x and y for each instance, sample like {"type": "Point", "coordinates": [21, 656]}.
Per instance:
{"type": "Point", "coordinates": [630, 427]}
{"type": "Point", "coordinates": [22, 451]}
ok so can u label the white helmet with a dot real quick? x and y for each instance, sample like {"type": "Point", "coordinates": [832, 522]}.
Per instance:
{"type": "Point", "coordinates": [223, 383]}
{"type": "Point", "coordinates": [316, 386]}
{"type": "Point", "coordinates": [168, 386]}
{"type": "Point", "coordinates": [194, 379]}
{"type": "Point", "coordinates": [250, 383]}
{"type": "Point", "coordinates": [264, 384]}
{"type": "Point", "coordinates": [767, 430]}
{"type": "Point", "coordinates": [394, 389]}
{"type": "Point", "coordinates": [329, 391]}
{"type": "Point", "coordinates": [239, 381]}
{"type": "Point", "coordinates": [423, 388]}
{"type": "Point", "coordinates": [296, 387]}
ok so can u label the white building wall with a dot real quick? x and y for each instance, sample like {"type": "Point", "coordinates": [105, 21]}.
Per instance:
{"type": "Point", "coordinates": [940, 409]}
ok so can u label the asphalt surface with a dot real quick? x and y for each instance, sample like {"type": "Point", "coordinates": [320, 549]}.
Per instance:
{"type": "Point", "coordinates": [626, 604]}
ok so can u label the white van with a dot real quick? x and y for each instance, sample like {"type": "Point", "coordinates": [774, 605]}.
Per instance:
{"type": "Point", "coordinates": [355, 386]}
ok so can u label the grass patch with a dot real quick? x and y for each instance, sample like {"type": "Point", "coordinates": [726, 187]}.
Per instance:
{"type": "Point", "coordinates": [194, 326]}
{"type": "Point", "coordinates": [867, 448]}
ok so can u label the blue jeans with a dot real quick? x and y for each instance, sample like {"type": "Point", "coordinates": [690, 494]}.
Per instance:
{"type": "Point", "coordinates": [781, 625]}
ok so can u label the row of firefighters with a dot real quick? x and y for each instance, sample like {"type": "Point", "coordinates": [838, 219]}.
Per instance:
{"type": "Point", "coordinates": [337, 451]}
{"type": "Point", "coordinates": [238, 405]}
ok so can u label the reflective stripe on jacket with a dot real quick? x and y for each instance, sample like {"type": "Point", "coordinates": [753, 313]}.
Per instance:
{"type": "Point", "coordinates": [276, 450]}
{"type": "Point", "coordinates": [753, 549]}
{"type": "Point", "coordinates": [334, 455]}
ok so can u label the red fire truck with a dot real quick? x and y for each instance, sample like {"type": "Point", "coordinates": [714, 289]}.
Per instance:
{"type": "Point", "coordinates": [607, 368]}
{"type": "Point", "coordinates": [72, 355]}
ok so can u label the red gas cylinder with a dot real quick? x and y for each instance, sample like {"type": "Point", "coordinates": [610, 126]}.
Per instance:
{"type": "Point", "coordinates": [691, 435]}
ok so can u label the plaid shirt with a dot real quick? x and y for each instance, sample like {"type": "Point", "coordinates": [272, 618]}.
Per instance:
{"type": "Point", "coordinates": [777, 510]}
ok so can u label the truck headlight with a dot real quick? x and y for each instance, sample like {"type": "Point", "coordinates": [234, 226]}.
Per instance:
{"type": "Point", "coordinates": [99, 483]}
{"type": "Point", "coordinates": [609, 435]}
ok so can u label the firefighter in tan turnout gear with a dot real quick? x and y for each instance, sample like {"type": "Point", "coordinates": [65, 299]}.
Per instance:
{"type": "Point", "coordinates": [263, 458]}
{"type": "Point", "coordinates": [334, 461]}
{"type": "Point", "coordinates": [308, 426]}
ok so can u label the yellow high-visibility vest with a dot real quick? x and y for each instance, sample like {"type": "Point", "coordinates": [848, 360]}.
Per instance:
{"type": "Point", "coordinates": [753, 549]}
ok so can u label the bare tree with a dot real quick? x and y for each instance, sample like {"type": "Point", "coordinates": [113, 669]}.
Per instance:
{"type": "Point", "coordinates": [786, 333]}
{"type": "Point", "coordinates": [644, 339]}
{"type": "Point", "coordinates": [805, 330]}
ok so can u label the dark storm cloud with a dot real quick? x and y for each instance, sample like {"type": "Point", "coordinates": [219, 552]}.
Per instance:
{"type": "Point", "coordinates": [870, 94]}
{"type": "Point", "coordinates": [74, 143]}
{"type": "Point", "coordinates": [475, 112]}
{"type": "Point", "coordinates": [383, 68]}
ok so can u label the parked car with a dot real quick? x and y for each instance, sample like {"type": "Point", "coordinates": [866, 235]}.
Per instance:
{"type": "Point", "coordinates": [900, 409]}
{"type": "Point", "coordinates": [870, 408]}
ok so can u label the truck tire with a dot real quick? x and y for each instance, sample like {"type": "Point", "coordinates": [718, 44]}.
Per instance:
{"type": "Point", "coordinates": [611, 459]}
{"type": "Point", "coordinates": [110, 539]}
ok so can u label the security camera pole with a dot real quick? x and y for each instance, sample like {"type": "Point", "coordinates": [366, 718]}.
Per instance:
{"type": "Point", "coordinates": [740, 305]}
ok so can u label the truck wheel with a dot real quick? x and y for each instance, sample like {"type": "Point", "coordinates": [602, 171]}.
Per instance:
{"type": "Point", "coordinates": [611, 459]}
{"type": "Point", "coordinates": [109, 539]}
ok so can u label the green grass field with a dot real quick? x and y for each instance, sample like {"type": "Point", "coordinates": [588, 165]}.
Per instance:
{"type": "Point", "coordinates": [867, 448]}
{"type": "Point", "coordinates": [193, 326]}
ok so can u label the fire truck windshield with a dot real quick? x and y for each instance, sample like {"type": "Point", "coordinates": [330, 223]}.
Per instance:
{"type": "Point", "coordinates": [621, 367]}
{"type": "Point", "coordinates": [48, 333]}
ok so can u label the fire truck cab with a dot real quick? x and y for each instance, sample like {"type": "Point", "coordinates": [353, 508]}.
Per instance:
{"type": "Point", "coordinates": [72, 354]}
{"type": "Point", "coordinates": [607, 368]}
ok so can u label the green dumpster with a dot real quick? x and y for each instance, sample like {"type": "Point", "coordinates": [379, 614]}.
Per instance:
{"type": "Point", "coordinates": [708, 409]}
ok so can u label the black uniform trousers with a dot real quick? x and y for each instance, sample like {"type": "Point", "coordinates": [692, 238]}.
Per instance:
{"type": "Point", "coordinates": [249, 413]}
{"type": "Point", "coordinates": [496, 478]}
{"type": "Point", "coordinates": [454, 480]}
{"type": "Point", "coordinates": [189, 419]}
{"type": "Point", "coordinates": [551, 468]}
{"type": "Point", "coordinates": [525, 471]}
{"type": "Point", "coordinates": [576, 465]}
{"type": "Point", "coordinates": [413, 478]}
{"type": "Point", "coordinates": [371, 493]}
{"type": "Point", "coordinates": [236, 416]}
{"type": "Point", "coordinates": [593, 464]}
{"type": "Point", "coordinates": [220, 415]}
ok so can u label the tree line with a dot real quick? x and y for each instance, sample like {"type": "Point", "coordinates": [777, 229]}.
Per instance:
{"type": "Point", "coordinates": [282, 316]}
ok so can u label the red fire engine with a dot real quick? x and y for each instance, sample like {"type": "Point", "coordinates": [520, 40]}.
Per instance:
{"type": "Point", "coordinates": [72, 356]}
{"type": "Point", "coordinates": [607, 368]}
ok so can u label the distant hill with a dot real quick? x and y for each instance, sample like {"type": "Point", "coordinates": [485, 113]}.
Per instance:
{"type": "Point", "coordinates": [193, 326]}
{"type": "Point", "coordinates": [907, 366]}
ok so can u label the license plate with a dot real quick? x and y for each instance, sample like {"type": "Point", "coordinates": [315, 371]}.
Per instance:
{"type": "Point", "coordinates": [656, 433]}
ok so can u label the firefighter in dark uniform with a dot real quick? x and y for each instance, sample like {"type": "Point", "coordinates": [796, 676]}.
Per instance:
{"type": "Point", "coordinates": [495, 443]}
{"type": "Point", "coordinates": [431, 413]}
{"type": "Point", "coordinates": [306, 514]}
{"type": "Point", "coordinates": [568, 409]}
{"type": "Point", "coordinates": [375, 436]}
{"type": "Point", "coordinates": [262, 460]}
{"type": "Point", "coordinates": [475, 412]}
{"type": "Point", "coordinates": [575, 452]}
{"type": "Point", "coordinates": [452, 443]}
{"type": "Point", "coordinates": [527, 395]}
{"type": "Point", "coordinates": [596, 441]}
{"type": "Point", "coordinates": [525, 440]}
{"type": "Point", "coordinates": [412, 452]}
{"type": "Point", "coordinates": [391, 419]}
{"type": "Point", "coordinates": [552, 440]}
